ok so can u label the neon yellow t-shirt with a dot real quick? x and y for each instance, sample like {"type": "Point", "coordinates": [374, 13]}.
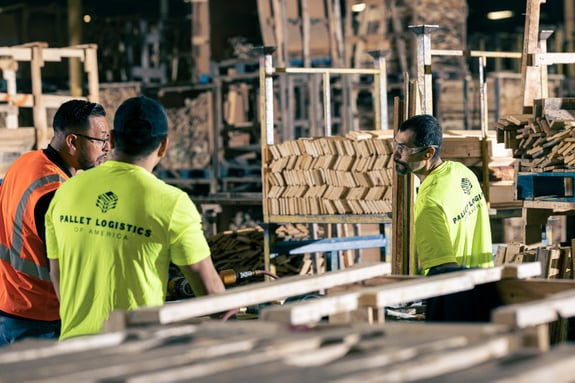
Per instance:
{"type": "Point", "coordinates": [114, 229]}
{"type": "Point", "coordinates": [451, 219]}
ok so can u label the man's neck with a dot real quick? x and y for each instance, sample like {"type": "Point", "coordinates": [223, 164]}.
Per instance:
{"type": "Point", "coordinates": [432, 165]}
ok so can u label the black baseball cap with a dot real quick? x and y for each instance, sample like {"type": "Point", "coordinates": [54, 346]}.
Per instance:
{"type": "Point", "coordinates": [141, 117]}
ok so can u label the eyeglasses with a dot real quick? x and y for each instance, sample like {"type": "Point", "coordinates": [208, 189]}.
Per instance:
{"type": "Point", "coordinates": [104, 141]}
{"type": "Point", "coordinates": [404, 149]}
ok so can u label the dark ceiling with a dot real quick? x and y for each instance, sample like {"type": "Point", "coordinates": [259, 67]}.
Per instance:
{"type": "Point", "coordinates": [551, 10]}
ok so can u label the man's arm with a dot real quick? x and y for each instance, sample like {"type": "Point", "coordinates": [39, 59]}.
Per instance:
{"type": "Point", "coordinates": [55, 276]}
{"type": "Point", "coordinates": [203, 277]}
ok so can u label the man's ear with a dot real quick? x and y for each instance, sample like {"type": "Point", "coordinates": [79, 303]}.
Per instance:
{"type": "Point", "coordinates": [71, 142]}
{"type": "Point", "coordinates": [163, 147]}
{"type": "Point", "coordinates": [112, 142]}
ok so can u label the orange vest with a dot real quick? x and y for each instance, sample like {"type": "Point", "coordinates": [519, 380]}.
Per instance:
{"type": "Point", "coordinates": [25, 287]}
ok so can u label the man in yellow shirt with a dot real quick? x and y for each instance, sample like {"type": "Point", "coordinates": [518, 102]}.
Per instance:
{"type": "Point", "coordinates": [112, 233]}
{"type": "Point", "coordinates": [451, 218]}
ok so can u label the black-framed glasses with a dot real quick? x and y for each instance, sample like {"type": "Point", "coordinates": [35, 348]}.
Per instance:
{"type": "Point", "coordinates": [404, 149]}
{"type": "Point", "coordinates": [104, 141]}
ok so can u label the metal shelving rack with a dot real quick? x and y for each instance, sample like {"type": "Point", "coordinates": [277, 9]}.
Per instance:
{"type": "Point", "coordinates": [267, 121]}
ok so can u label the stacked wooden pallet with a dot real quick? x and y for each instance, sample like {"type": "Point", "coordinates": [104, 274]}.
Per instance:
{"type": "Point", "coordinates": [557, 262]}
{"type": "Point", "coordinates": [164, 344]}
{"type": "Point", "coordinates": [265, 352]}
{"type": "Point", "coordinates": [545, 140]}
{"type": "Point", "coordinates": [330, 175]}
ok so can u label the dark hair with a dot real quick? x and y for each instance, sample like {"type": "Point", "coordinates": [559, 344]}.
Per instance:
{"type": "Point", "coordinates": [74, 114]}
{"type": "Point", "coordinates": [426, 131]}
{"type": "Point", "coordinates": [137, 146]}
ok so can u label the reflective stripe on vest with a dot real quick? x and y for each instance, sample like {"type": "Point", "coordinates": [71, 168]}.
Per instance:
{"type": "Point", "coordinates": [13, 255]}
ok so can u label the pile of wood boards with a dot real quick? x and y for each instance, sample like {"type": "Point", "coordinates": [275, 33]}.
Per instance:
{"type": "Point", "coordinates": [557, 262]}
{"type": "Point", "coordinates": [113, 94]}
{"type": "Point", "coordinates": [545, 140]}
{"type": "Point", "coordinates": [189, 131]}
{"type": "Point", "coordinates": [330, 175]}
{"type": "Point", "coordinates": [242, 250]}
{"type": "Point", "coordinates": [383, 26]}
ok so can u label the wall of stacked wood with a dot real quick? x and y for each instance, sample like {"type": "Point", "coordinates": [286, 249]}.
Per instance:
{"type": "Point", "coordinates": [384, 26]}
{"type": "Point", "coordinates": [330, 175]}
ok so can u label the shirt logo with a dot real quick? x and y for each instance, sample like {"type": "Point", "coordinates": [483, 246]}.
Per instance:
{"type": "Point", "coordinates": [466, 186]}
{"type": "Point", "coordinates": [107, 201]}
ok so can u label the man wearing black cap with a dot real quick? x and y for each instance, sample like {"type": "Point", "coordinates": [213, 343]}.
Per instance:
{"type": "Point", "coordinates": [112, 233]}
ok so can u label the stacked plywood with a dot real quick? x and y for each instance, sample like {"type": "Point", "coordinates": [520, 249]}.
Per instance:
{"type": "Point", "coordinates": [545, 140]}
{"type": "Point", "coordinates": [330, 175]}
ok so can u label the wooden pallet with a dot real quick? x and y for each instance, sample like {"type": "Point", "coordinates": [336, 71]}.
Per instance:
{"type": "Point", "coordinates": [260, 352]}
{"type": "Point", "coordinates": [175, 348]}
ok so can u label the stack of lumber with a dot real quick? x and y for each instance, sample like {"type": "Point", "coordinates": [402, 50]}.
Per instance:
{"type": "Point", "coordinates": [383, 26]}
{"type": "Point", "coordinates": [330, 175]}
{"type": "Point", "coordinates": [114, 93]}
{"type": "Point", "coordinates": [545, 140]}
{"type": "Point", "coordinates": [242, 250]}
{"type": "Point", "coordinates": [189, 131]}
{"type": "Point", "coordinates": [556, 261]}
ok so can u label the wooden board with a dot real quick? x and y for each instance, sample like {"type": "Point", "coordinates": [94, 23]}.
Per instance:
{"type": "Point", "coordinates": [254, 294]}
{"type": "Point", "coordinates": [389, 294]}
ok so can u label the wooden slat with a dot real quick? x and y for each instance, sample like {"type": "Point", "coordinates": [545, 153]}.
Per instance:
{"type": "Point", "coordinates": [537, 312]}
{"type": "Point", "coordinates": [525, 367]}
{"type": "Point", "coordinates": [254, 294]}
{"type": "Point", "coordinates": [312, 311]}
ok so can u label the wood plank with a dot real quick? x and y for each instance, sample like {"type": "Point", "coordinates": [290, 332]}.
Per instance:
{"type": "Point", "coordinates": [525, 367]}
{"type": "Point", "coordinates": [255, 293]}
{"type": "Point", "coordinates": [518, 291]}
{"type": "Point", "coordinates": [388, 294]}
{"type": "Point", "coordinates": [527, 314]}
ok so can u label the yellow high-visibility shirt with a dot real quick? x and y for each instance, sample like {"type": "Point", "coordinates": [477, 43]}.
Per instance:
{"type": "Point", "coordinates": [451, 219]}
{"type": "Point", "coordinates": [114, 231]}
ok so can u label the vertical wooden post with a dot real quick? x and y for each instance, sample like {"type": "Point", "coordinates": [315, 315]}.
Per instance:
{"type": "Point", "coordinates": [401, 215]}
{"type": "Point", "coordinates": [530, 75]}
{"type": "Point", "coordinates": [39, 109]}
{"type": "Point", "coordinates": [570, 33]}
{"type": "Point", "coordinates": [91, 69]}
{"type": "Point", "coordinates": [75, 38]}
{"type": "Point", "coordinates": [425, 94]}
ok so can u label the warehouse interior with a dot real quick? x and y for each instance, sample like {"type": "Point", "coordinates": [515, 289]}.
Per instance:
{"type": "Point", "coordinates": [282, 115]}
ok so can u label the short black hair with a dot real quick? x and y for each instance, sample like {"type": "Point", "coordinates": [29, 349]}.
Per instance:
{"type": "Point", "coordinates": [75, 114]}
{"type": "Point", "coordinates": [426, 130]}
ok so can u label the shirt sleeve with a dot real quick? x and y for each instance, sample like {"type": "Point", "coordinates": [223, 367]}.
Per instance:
{"type": "Point", "coordinates": [432, 238]}
{"type": "Point", "coordinates": [188, 245]}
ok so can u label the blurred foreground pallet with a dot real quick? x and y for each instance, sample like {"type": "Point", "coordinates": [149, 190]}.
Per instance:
{"type": "Point", "coordinates": [178, 343]}
{"type": "Point", "coordinates": [255, 351]}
